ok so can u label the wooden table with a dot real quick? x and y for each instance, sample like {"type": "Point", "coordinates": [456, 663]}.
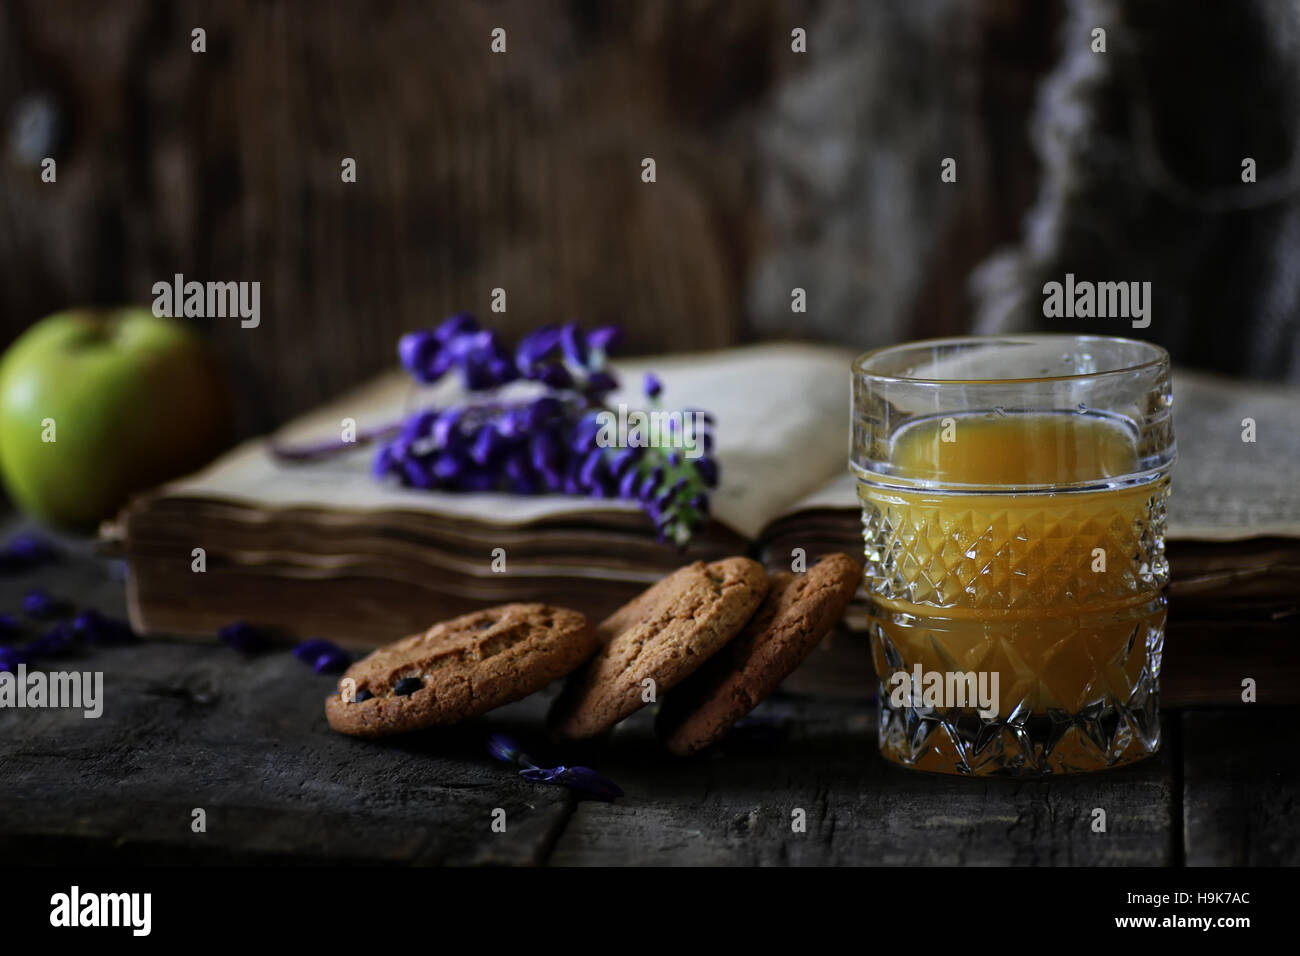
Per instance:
{"type": "Point", "coordinates": [189, 726]}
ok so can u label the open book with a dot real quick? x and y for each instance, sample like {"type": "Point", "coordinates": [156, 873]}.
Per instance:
{"type": "Point", "coordinates": [322, 549]}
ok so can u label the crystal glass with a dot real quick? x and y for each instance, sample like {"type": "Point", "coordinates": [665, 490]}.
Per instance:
{"type": "Point", "coordinates": [1013, 494]}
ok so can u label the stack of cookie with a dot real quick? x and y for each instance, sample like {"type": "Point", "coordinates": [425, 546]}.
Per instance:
{"type": "Point", "coordinates": [720, 636]}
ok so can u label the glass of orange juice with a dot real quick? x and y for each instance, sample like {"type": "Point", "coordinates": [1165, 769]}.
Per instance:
{"type": "Point", "coordinates": [1013, 494]}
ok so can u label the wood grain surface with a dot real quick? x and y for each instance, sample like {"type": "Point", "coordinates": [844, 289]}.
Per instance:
{"type": "Point", "coordinates": [199, 725]}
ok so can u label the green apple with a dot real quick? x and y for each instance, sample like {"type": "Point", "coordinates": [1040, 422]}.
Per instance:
{"type": "Point", "coordinates": [98, 404]}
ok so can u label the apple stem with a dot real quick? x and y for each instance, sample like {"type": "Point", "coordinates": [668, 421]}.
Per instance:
{"type": "Point", "coordinates": [333, 447]}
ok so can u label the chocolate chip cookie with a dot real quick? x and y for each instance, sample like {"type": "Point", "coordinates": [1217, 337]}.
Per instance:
{"type": "Point", "coordinates": [800, 609]}
{"type": "Point", "coordinates": [461, 668]}
{"type": "Point", "coordinates": [662, 635]}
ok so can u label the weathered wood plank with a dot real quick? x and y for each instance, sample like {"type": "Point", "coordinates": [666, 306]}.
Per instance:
{"type": "Point", "coordinates": [194, 725]}
{"type": "Point", "coordinates": [1241, 788]}
{"type": "Point", "coordinates": [735, 807]}
{"type": "Point", "coordinates": [188, 726]}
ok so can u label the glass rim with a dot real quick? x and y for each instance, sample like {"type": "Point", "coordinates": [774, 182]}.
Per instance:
{"type": "Point", "coordinates": [1158, 356]}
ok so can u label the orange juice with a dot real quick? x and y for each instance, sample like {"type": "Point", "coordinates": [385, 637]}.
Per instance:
{"type": "Point", "coordinates": [1056, 590]}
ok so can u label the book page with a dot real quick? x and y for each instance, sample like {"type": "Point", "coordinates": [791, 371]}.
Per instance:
{"type": "Point", "coordinates": [782, 413]}
{"type": "Point", "coordinates": [1223, 488]}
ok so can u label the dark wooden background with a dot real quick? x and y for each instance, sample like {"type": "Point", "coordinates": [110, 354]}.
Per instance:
{"type": "Point", "coordinates": [478, 171]}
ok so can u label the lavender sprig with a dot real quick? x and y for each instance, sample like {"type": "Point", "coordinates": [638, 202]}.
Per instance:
{"type": "Point", "coordinates": [37, 603]}
{"type": "Point", "coordinates": [582, 780]}
{"type": "Point", "coordinates": [673, 488]}
{"type": "Point", "coordinates": [24, 551]}
{"type": "Point", "coordinates": [559, 357]}
{"type": "Point", "coordinates": [11, 657]}
{"type": "Point", "coordinates": [547, 444]}
{"type": "Point", "coordinates": [325, 657]}
{"type": "Point", "coordinates": [90, 627]}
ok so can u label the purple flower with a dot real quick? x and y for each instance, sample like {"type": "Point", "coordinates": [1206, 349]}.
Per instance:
{"type": "Point", "coordinates": [623, 460]}
{"type": "Point", "coordinates": [444, 361]}
{"type": "Point", "coordinates": [95, 628]}
{"type": "Point", "coordinates": [582, 780]}
{"type": "Point", "coordinates": [332, 662]}
{"type": "Point", "coordinates": [10, 658]}
{"type": "Point", "coordinates": [458, 341]}
{"type": "Point", "coordinates": [505, 749]}
{"type": "Point", "coordinates": [604, 338]}
{"type": "Point", "coordinates": [454, 326]}
{"type": "Point", "coordinates": [415, 472]}
{"type": "Point", "coordinates": [490, 372]}
{"type": "Point", "coordinates": [485, 363]}
{"type": "Point", "coordinates": [26, 550]}
{"type": "Point", "coordinates": [448, 466]}
{"type": "Point", "coordinates": [598, 383]}
{"type": "Point", "coordinates": [445, 427]}
{"type": "Point", "coordinates": [590, 783]}
{"type": "Point", "coordinates": [419, 427]}
{"type": "Point", "coordinates": [586, 433]}
{"type": "Point", "coordinates": [628, 483]}
{"type": "Point", "coordinates": [554, 376]}
{"type": "Point", "coordinates": [707, 469]}
{"type": "Point", "coordinates": [650, 485]}
{"type": "Point", "coordinates": [521, 479]}
{"type": "Point", "coordinates": [477, 481]}
{"type": "Point", "coordinates": [386, 461]}
{"type": "Point", "coordinates": [37, 603]}
{"type": "Point", "coordinates": [537, 346]}
{"type": "Point", "coordinates": [544, 451]}
{"type": "Point", "coordinates": [487, 442]}
{"type": "Point", "coordinates": [539, 410]}
{"type": "Point", "coordinates": [663, 500]}
{"type": "Point", "coordinates": [550, 443]}
{"type": "Point", "coordinates": [324, 656]}
{"type": "Point", "coordinates": [574, 344]}
{"type": "Point", "coordinates": [593, 469]}
{"type": "Point", "coordinates": [307, 651]}
{"type": "Point", "coordinates": [417, 352]}
{"type": "Point", "coordinates": [56, 642]}
{"type": "Point", "coordinates": [31, 547]}
{"type": "Point", "coordinates": [243, 637]}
